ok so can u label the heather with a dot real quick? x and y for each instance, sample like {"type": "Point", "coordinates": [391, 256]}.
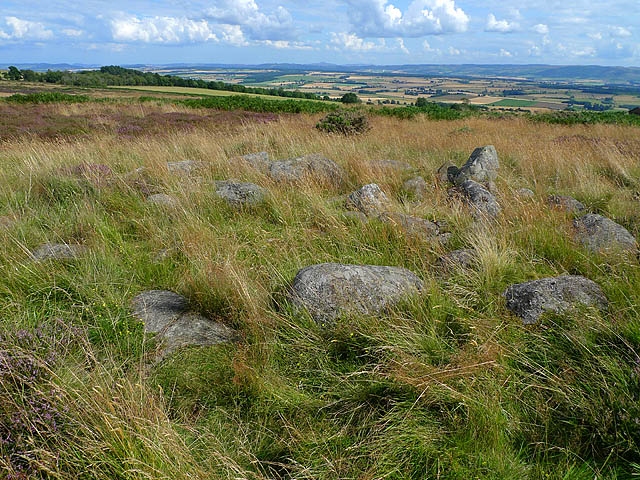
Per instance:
{"type": "Point", "coordinates": [447, 383]}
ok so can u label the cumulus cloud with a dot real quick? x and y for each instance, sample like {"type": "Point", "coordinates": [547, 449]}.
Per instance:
{"type": "Point", "coordinates": [500, 26]}
{"type": "Point", "coordinates": [620, 32]}
{"type": "Point", "coordinates": [351, 42]}
{"type": "Point", "coordinates": [286, 45]}
{"type": "Point", "coordinates": [276, 25]}
{"type": "Point", "coordinates": [161, 30]}
{"type": "Point", "coordinates": [379, 18]}
{"type": "Point", "coordinates": [541, 28]}
{"type": "Point", "coordinates": [19, 29]}
{"type": "Point", "coordinates": [73, 32]}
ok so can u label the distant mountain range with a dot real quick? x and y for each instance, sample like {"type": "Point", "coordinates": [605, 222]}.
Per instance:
{"type": "Point", "coordinates": [551, 73]}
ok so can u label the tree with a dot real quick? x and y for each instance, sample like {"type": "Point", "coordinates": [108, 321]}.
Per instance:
{"type": "Point", "coordinates": [14, 73]}
{"type": "Point", "coordinates": [350, 98]}
{"type": "Point", "coordinates": [422, 102]}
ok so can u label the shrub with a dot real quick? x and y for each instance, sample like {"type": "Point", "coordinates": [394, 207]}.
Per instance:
{"type": "Point", "coordinates": [346, 122]}
{"type": "Point", "coordinates": [350, 98]}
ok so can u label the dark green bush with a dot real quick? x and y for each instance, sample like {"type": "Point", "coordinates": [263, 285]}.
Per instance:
{"type": "Point", "coordinates": [346, 122]}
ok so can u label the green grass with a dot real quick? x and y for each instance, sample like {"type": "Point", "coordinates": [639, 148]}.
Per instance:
{"type": "Point", "coordinates": [447, 384]}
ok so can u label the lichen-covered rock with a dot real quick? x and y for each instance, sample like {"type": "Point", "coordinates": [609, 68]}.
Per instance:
{"type": "Point", "coordinates": [239, 194]}
{"type": "Point", "coordinates": [565, 203]}
{"type": "Point", "coordinates": [482, 166]}
{"type": "Point", "coordinates": [313, 167]}
{"type": "Point", "coordinates": [167, 315]}
{"type": "Point", "coordinates": [598, 233]}
{"type": "Point", "coordinates": [329, 290]}
{"type": "Point", "coordinates": [185, 167]}
{"type": "Point", "coordinates": [369, 199]}
{"type": "Point", "coordinates": [58, 251]}
{"type": "Point", "coordinates": [557, 294]}
{"type": "Point", "coordinates": [482, 202]}
{"type": "Point", "coordinates": [260, 160]}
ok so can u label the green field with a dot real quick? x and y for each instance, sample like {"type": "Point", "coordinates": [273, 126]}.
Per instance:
{"type": "Point", "coordinates": [510, 102]}
{"type": "Point", "coordinates": [198, 91]}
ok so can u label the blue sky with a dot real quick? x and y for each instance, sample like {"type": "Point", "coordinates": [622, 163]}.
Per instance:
{"type": "Point", "coordinates": [335, 31]}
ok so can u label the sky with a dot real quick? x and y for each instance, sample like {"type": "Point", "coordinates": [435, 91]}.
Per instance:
{"type": "Point", "coordinates": [383, 32]}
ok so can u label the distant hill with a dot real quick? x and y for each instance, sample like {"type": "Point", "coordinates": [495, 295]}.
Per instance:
{"type": "Point", "coordinates": [552, 73]}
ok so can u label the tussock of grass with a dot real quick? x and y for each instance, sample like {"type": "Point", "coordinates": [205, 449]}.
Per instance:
{"type": "Point", "coordinates": [447, 384]}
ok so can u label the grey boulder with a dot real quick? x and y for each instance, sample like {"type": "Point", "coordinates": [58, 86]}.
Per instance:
{"type": "Point", "coordinates": [565, 203]}
{"type": "Point", "coordinates": [482, 166]}
{"type": "Point", "coordinates": [598, 233]}
{"type": "Point", "coordinates": [416, 187]}
{"type": "Point", "coordinates": [58, 251]}
{"type": "Point", "coordinates": [462, 258]}
{"type": "Point", "coordinates": [557, 294]}
{"type": "Point", "coordinates": [239, 194]}
{"type": "Point", "coordinates": [167, 315]}
{"type": "Point", "coordinates": [329, 290]}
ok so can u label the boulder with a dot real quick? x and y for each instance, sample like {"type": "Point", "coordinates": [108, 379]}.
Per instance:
{"type": "Point", "coordinates": [58, 251]}
{"type": "Point", "coordinates": [482, 202]}
{"type": "Point", "coordinates": [167, 315]}
{"type": "Point", "coordinates": [416, 187]}
{"type": "Point", "coordinates": [565, 203]}
{"type": "Point", "coordinates": [239, 194]}
{"type": "Point", "coordinates": [525, 193]}
{"type": "Point", "coordinates": [557, 294]}
{"type": "Point", "coordinates": [369, 199]}
{"type": "Point", "coordinates": [314, 167]}
{"type": "Point", "coordinates": [482, 166]}
{"type": "Point", "coordinates": [329, 290]}
{"type": "Point", "coordinates": [598, 233]}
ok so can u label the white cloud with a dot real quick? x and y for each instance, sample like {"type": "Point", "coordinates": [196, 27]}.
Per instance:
{"type": "Point", "coordinates": [161, 30]}
{"type": "Point", "coordinates": [585, 52]}
{"type": "Point", "coordinates": [378, 18]}
{"type": "Point", "coordinates": [620, 32]}
{"type": "Point", "coordinates": [286, 45]}
{"type": "Point", "coordinates": [353, 43]}
{"type": "Point", "coordinates": [454, 51]}
{"type": "Point", "coordinates": [24, 30]}
{"type": "Point", "coordinates": [500, 26]}
{"type": "Point", "coordinates": [72, 32]}
{"type": "Point", "coordinates": [277, 25]}
{"type": "Point", "coordinates": [595, 36]}
{"type": "Point", "coordinates": [541, 28]}
{"type": "Point", "coordinates": [505, 53]}
{"type": "Point", "coordinates": [231, 34]}
{"type": "Point", "coordinates": [402, 47]}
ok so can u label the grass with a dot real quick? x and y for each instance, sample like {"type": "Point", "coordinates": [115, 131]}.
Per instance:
{"type": "Point", "coordinates": [510, 102]}
{"type": "Point", "coordinates": [446, 385]}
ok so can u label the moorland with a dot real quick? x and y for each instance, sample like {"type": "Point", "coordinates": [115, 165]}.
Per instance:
{"type": "Point", "coordinates": [447, 383]}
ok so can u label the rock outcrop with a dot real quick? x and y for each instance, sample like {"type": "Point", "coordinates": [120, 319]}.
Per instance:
{"type": "Point", "coordinates": [482, 202]}
{"type": "Point", "coordinates": [562, 294]}
{"type": "Point", "coordinates": [313, 167]}
{"type": "Point", "coordinates": [329, 290]}
{"type": "Point", "coordinates": [369, 199]}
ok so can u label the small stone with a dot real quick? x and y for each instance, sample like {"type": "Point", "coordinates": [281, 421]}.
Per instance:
{"type": "Point", "coordinates": [525, 193]}
{"type": "Point", "coordinates": [314, 167]}
{"type": "Point", "coordinates": [598, 233]}
{"type": "Point", "coordinates": [369, 199]}
{"type": "Point", "coordinates": [447, 172]}
{"type": "Point", "coordinates": [562, 294]}
{"type": "Point", "coordinates": [462, 258]}
{"type": "Point", "coordinates": [58, 251]}
{"type": "Point", "coordinates": [565, 203]}
{"type": "Point", "coordinates": [416, 187]}
{"type": "Point", "coordinates": [162, 199]}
